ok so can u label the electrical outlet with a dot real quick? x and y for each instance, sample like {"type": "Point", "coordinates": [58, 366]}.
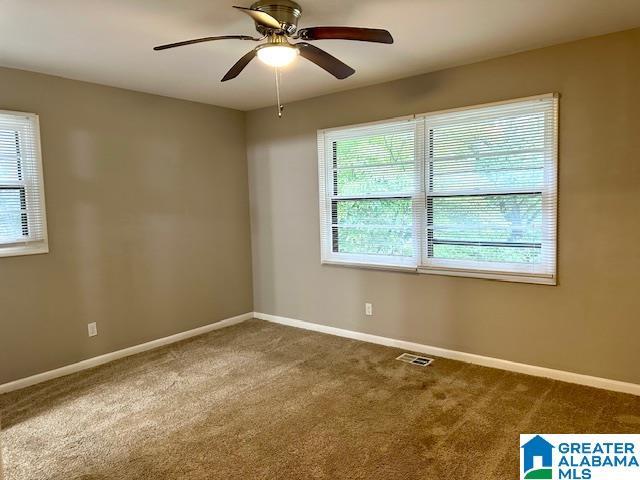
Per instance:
{"type": "Point", "coordinates": [93, 329]}
{"type": "Point", "coordinates": [368, 309]}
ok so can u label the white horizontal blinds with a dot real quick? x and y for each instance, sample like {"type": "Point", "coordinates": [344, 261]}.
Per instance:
{"type": "Point", "coordinates": [469, 190]}
{"type": "Point", "coordinates": [371, 183]}
{"type": "Point", "coordinates": [22, 216]}
{"type": "Point", "coordinates": [490, 182]}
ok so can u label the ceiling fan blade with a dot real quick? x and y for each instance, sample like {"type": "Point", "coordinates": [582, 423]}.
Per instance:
{"type": "Point", "coordinates": [239, 65]}
{"type": "Point", "coordinates": [262, 18]}
{"type": "Point", "coordinates": [345, 33]}
{"type": "Point", "coordinates": [206, 39]}
{"type": "Point", "coordinates": [324, 60]}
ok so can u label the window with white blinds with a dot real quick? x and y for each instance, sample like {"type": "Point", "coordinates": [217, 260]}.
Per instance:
{"type": "Point", "coordinates": [463, 192]}
{"type": "Point", "coordinates": [369, 186]}
{"type": "Point", "coordinates": [23, 228]}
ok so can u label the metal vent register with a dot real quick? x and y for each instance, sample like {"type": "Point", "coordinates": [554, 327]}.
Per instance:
{"type": "Point", "coordinates": [415, 359]}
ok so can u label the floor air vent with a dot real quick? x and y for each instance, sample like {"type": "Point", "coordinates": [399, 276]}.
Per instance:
{"type": "Point", "coordinates": [415, 359]}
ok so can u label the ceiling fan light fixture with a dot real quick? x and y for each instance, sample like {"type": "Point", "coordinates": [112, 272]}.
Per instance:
{"type": "Point", "coordinates": [277, 55]}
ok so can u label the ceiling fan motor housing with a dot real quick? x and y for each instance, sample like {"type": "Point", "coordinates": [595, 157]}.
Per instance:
{"type": "Point", "coordinates": [286, 12]}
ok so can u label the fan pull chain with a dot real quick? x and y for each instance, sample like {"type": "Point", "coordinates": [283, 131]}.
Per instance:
{"type": "Point", "coordinates": [280, 105]}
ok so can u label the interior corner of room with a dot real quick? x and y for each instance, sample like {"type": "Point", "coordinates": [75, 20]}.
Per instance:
{"type": "Point", "coordinates": [239, 263]}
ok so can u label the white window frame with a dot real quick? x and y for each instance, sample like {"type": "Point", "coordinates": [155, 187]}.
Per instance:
{"type": "Point", "coordinates": [513, 272]}
{"type": "Point", "coordinates": [34, 194]}
{"type": "Point", "coordinates": [326, 138]}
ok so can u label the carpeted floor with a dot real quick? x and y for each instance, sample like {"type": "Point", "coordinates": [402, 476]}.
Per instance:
{"type": "Point", "coordinates": [262, 401]}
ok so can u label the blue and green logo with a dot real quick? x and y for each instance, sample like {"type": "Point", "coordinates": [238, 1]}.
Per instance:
{"type": "Point", "coordinates": [537, 459]}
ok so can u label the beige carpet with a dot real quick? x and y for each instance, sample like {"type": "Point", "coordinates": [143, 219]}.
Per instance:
{"type": "Point", "coordinates": [262, 401]}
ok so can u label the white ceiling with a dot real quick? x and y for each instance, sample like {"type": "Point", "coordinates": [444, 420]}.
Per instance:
{"type": "Point", "coordinates": [110, 41]}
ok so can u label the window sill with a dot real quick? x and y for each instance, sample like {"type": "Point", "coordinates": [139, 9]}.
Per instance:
{"type": "Point", "coordinates": [499, 276]}
{"type": "Point", "coordinates": [20, 250]}
{"type": "Point", "coordinates": [370, 266]}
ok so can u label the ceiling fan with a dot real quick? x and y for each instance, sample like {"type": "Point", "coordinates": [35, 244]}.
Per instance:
{"type": "Point", "coordinates": [277, 21]}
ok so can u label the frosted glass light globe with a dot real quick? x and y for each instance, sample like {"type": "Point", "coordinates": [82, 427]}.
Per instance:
{"type": "Point", "coordinates": [277, 55]}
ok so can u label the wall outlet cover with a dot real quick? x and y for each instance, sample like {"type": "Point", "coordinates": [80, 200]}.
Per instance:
{"type": "Point", "coordinates": [93, 329]}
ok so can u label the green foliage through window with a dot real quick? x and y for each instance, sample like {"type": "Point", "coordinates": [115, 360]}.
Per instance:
{"type": "Point", "coordinates": [477, 184]}
{"type": "Point", "coordinates": [374, 226]}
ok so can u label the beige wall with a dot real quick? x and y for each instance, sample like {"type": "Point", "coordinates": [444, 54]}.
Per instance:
{"type": "Point", "coordinates": [148, 215]}
{"type": "Point", "coordinates": [147, 207]}
{"type": "Point", "coordinates": [589, 323]}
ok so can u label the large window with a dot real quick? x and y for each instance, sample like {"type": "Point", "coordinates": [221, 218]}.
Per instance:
{"type": "Point", "coordinates": [22, 214]}
{"type": "Point", "coordinates": [463, 192]}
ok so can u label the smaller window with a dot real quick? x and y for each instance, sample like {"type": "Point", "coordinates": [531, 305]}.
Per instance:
{"type": "Point", "coordinates": [370, 182]}
{"type": "Point", "coordinates": [23, 225]}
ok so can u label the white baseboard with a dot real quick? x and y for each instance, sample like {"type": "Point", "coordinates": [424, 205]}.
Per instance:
{"type": "Point", "coordinates": [110, 357]}
{"type": "Point", "coordinates": [561, 375]}
{"type": "Point", "coordinates": [597, 382]}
